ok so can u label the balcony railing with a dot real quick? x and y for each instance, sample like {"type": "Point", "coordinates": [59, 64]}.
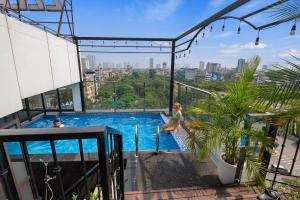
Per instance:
{"type": "Point", "coordinates": [121, 95]}
{"type": "Point", "coordinates": [105, 173]}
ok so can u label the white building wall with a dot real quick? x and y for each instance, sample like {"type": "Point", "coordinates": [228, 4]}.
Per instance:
{"type": "Point", "coordinates": [32, 61]}
{"type": "Point", "coordinates": [8, 79]}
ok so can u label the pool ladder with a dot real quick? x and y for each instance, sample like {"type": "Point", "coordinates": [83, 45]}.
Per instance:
{"type": "Point", "coordinates": [137, 140]}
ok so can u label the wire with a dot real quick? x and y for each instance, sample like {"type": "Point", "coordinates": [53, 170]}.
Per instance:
{"type": "Point", "coordinates": [50, 191]}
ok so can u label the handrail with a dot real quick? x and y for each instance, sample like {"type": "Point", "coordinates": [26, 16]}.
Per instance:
{"type": "Point", "coordinates": [102, 136]}
{"type": "Point", "coordinates": [194, 88]}
{"type": "Point", "coordinates": [136, 141]}
{"type": "Point", "coordinates": [157, 139]}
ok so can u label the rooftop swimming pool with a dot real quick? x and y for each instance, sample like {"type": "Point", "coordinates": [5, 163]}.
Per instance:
{"type": "Point", "coordinates": [124, 122]}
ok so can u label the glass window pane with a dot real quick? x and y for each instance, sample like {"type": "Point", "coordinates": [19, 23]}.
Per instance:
{"type": "Point", "coordinates": [66, 98]}
{"type": "Point", "coordinates": [35, 102]}
{"type": "Point", "coordinates": [51, 101]}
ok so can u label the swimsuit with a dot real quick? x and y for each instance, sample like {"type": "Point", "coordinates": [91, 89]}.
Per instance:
{"type": "Point", "coordinates": [173, 117]}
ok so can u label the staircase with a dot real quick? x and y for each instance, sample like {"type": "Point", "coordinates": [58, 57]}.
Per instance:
{"type": "Point", "coordinates": [209, 193]}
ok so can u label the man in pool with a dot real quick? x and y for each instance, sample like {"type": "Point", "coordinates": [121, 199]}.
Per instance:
{"type": "Point", "coordinates": [174, 121]}
{"type": "Point", "coordinates": [57, 124]}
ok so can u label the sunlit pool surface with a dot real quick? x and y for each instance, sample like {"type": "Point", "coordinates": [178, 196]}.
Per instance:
{"type": "Point", "coordinates": [124, 122]}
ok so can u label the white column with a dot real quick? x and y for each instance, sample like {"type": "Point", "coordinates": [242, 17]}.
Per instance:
{"type": "Point", "coordinates": [76, 97]}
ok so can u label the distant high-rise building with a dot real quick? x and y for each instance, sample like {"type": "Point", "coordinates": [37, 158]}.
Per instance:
{"type": "Point", "coordinates": [151, 63]}
{"type": "Point", "coordinates": [92, 60]}
{"type": "Point", "coordinates": [212, 67]}
{"type": "Point", "coordinates": [201, 65]}
{"type": "Point", "coordinates": [240, 65]}
{"type": "Point", "coordinates": [164, 65]}
{"type": "Point", "coordinates": [158, 66]}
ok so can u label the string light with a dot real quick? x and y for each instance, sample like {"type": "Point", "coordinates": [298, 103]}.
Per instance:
{"type": "Point", "coordinates": [184, 55]}
{"type": "Point", "coordinates": [211, 28]}
{"type": "Point", "coordinates": [257, 39]}
{"type": "Point", "coordinates": [190, 51]}
{"type": "Point", "coordinates": [196, 42]}
{"type": "Point", "coordinates": [179, 55]}
{"type": "Point", "coordinates": [126, 42]}
{"type": "Point", "coordinates": [239, 29]}
{"type": "Point", "coordinates": [103, 42]}
{"type": "Point", "coordinates": [293, 30]}
{"type": "Point", "coordinates": [223, 27]}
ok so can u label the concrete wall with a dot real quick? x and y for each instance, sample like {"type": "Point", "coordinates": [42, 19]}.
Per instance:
{"type": "Point", "coordinates": [32, 61]}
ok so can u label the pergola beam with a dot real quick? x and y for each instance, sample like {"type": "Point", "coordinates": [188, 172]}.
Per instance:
{"type": "Point", "coordinates": [213, 18]}
{"type": "Point", "coordinates": [127, 39]}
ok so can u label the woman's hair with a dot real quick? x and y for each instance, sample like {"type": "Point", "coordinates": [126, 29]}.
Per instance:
{"type": "Point", "coordinates": [177, 106]}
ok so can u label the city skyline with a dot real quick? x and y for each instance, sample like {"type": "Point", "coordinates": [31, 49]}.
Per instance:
{"type": "Point", "coordinates": [157, 18]}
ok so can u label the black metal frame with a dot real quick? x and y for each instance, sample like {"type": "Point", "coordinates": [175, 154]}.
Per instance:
{"type": "Point", "coordinates": [44, 110]}
{"type": "Point", "coordinates": [110, 158]}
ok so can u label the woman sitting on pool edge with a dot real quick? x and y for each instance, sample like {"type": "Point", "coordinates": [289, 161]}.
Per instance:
{"type": "Point", "coordinates": [174, 121]}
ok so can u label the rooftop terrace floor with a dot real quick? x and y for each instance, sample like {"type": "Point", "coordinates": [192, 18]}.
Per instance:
{"type": "Point", "coordinates": [168, 170]}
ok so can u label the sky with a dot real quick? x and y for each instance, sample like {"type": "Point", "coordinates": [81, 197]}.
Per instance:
{"type": "Point", "coordinates": [170, 18]}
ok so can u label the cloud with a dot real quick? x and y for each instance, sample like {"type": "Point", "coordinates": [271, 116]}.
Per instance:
{"type": "Point", "coordinates": [288, 53]}
{"type": "Point", "coordinates": [223, 35]}
{"type": "Point", "coordinates": [236, 48]}
{"type": "Point", "coordinates": [161, 9]}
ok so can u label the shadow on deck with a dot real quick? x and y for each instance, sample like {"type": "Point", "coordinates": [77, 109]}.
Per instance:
{"type": "Point", "coordinates": [168, 170]}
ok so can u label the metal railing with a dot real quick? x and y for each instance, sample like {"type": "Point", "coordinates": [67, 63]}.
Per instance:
{"type": "Point", "coordinates": [136, 135]}
{"type": "Point", "coordinates": [124, 95]}
{"type": "Point", "coordinates": [157, 138]}
{"type": "Point", "coordinates": [189, 96]}
{"type": "Point", "coordinates": [108, 168]}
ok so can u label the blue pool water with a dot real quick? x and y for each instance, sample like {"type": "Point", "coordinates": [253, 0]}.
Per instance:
{"type": "Point", "coordinates": [124, 122]}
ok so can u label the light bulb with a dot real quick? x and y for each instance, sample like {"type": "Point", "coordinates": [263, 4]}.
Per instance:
{"type": "Point", "coordinates": [293, 30]}
{"type": "Point", "coordinates": [239, 30]}
{"type": "Point", "coordinates": [257, 41]}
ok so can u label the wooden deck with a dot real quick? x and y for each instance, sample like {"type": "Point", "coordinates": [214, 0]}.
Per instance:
{"type": "Point", "coordinates": [199, 193]}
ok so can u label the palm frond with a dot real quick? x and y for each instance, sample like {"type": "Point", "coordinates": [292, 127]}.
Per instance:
{"type": "Point", "coordinates": [287, 11]}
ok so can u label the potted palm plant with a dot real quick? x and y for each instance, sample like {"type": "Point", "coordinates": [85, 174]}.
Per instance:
{"type": "Point", "coordinates": [221, 122]}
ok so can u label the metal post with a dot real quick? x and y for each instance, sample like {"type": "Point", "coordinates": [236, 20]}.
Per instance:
{"type": "Point", "coordinates": [80, 76]}
{"type": "Point", "coordinates": [136, 141]}
{"type": "Point", "coordinates": [121, 165]}
{"type": "Point", "coordinates": [295, 156]}
{"type": "Point", "coordinates": [114, 96]}
{"type": "Point", "coordinates": [144, 96]}
{"type": "Point", "coordinates": [58, 100]}
{"type": "Point", "coordinates": [43, 103]}
{"type": "Point", "coordinates": [266, 157]}
{"type": "Point", "coordinates": [30, 170]}
{"type": "Point", "coordinates": [87, 192]}
{"type": "Point", "coordinates": [6, 174]}
{"type": "Point", "coordinates": [172, 77]}
{"type": "Point", "coordinates": [27, 109]}
{"type": "Point", "coordinates": [281, 152]}
{"type": "Point", "coordinates": [157, 139]}
{"type": "Point", "coordinates": [178, 92]}
{"type": "Point", "coordinates": [104, 168]}
{"type": "Point", "coordinates": [57, 171]}
{"type": "Point", "coordinates": [242, 156]}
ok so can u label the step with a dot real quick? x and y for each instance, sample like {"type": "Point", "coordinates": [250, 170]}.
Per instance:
{"type": "Point", "coordinates": [209, 193]}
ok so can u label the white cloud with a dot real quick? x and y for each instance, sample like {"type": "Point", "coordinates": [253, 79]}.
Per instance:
{"type": "Point", "coordinates": [293, 51]}
{"type": "Point", "coordinates": [161, 9]}
{"type": "Point", "coordinates": [235, 48]}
